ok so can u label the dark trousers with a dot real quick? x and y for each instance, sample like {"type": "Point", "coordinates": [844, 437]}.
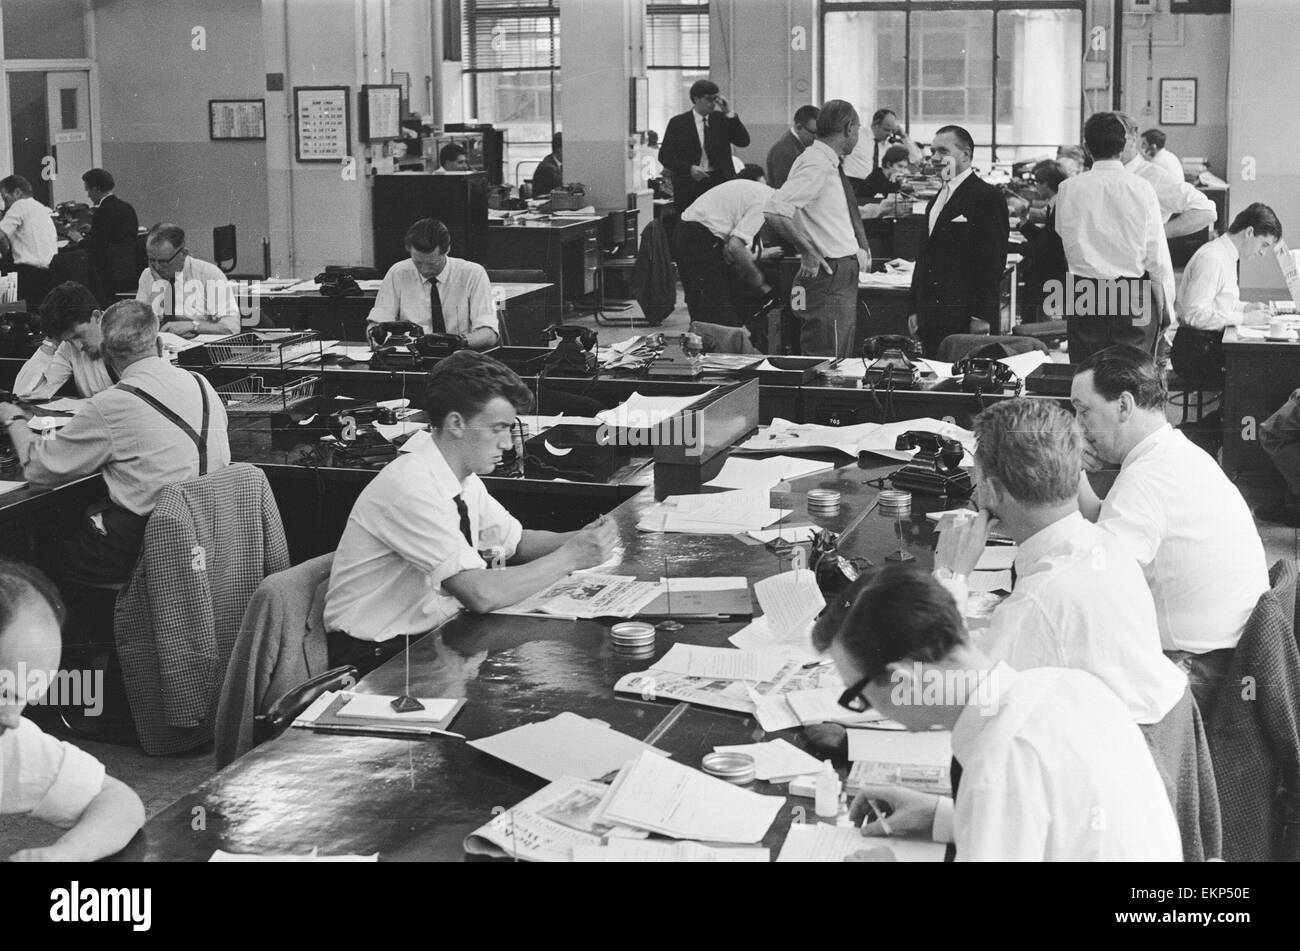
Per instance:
{"type": "Point", "coordinates": [1137, 326]}
{"type": "Point", "coordinates": [1279, 436]}
{"type": "Point", "coordinates": [826, 307]}
{"type": "Point", "coordinates": [347, 651]}
{"type": "Point", "coordinates": [706, 278]}
{"type": "Point", "coordinates": [1205, 675]}
{"type": "Point", "coordinates": [33, 285]}
{"type": "Point", "coordinates": [107, 557]}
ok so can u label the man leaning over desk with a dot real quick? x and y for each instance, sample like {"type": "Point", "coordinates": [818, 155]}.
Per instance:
{"type": "Point", "coordinates": [411, 553]}
{"type": "Point", "coordinates": [440, 293]}
{"type": "Point", "coordinates": [188, 296]}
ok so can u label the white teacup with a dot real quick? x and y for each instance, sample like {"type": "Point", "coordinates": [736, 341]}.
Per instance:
{"type": "Point", "coordinates": [1278, 328]}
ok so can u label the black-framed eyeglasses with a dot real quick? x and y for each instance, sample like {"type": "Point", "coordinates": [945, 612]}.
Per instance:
{"type": "Point", "coordinates": [154, 262]}
{"type": "Point", "coordinates": [853, 698]}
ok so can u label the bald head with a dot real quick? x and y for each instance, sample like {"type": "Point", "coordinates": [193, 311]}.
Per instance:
{"type": "Point", "coordinates": [31, 616]}
{"type": "Point", "coordinates": [130, 332]}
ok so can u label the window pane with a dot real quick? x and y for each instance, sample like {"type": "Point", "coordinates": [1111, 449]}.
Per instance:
{"type": "Point", "coordinates": [44, 29]}
{"type": "Point", "coordinates": [1039, 75]}
{"type": "Point", "coordinates": [677, 34]}
{"type": "Point", "coordinates": [670, 93]}
{"type": "Point", "coordinates": [866, 59]}
{"type": "Point", "coordinates": [952, 80]}
{"type": "Point", "coordinates": [520, 105]}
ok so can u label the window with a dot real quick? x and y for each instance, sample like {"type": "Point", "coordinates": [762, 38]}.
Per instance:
{"type": "Point", "coordinates": [676, 55]}
{"type": "Point", "coordinates": [936, 67]}
{"type": "Point", "coordinates": [44, 29]}
{"type": "Point", "coordinates": [512, 65]}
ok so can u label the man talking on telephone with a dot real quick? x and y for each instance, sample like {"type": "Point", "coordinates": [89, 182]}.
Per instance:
{"type": "Point", "coordinates": [697, 144]}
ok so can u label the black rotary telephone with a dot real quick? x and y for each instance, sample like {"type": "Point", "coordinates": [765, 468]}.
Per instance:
{"type": "Point", "coordinates": [892, 365]}
{"type": "Point", "coordinates": [936, 467]}
{"type": "Point", "coordinates": [338, 284]}
{"type": "Point", "coordinates": [982, 375]}
{"type": "Point", "coordinates": [437, 346]}
{"type": "Point", "coordinates": [575, 351]}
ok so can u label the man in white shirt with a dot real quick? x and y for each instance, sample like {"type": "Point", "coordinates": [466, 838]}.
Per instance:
{"type": "Point", "coordinates": [39, 775]}
{"type": "Point", "coordinates": [714, 246]}
{"type": "Point", "coordinates": [1120, 276]}
{"type": "Point", "coordinates": [1153, 147]}
{"type": "Point", "coordinates": [27, 230]}
{"type": "Point", "coordinates": [70, 318]}
{"type": "Point", "coordinates": [1047, 764]}
{"type": "Point", "coordinates": [1184, 209]}
{"type": "Point", "coordinates": [411, 553]}
{"type": "Point", "coordinates": [440, 293]}
{"type": "Point", "coordinates": [1174, 510]}
{"type": "Point", "coordinates": [816, 213]}
{"type": "Point", "coordinates": [188, 296]}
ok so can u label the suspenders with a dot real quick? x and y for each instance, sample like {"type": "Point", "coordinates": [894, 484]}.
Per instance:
{"type": "Point", "coordinates": [200, 438]}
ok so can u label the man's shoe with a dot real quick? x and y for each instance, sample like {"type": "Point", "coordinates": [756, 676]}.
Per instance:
{"type": "Point", "coordinates": [1279, 513]}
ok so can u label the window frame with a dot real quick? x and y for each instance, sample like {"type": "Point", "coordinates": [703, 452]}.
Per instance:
{"type": "Point", "coordinates": [471, 13]}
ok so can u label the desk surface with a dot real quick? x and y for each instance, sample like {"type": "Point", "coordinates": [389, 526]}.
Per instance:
{"type": "Point", "coordinates": [418, 799]}
{"type": "Point", "coordinates": [504, 291]}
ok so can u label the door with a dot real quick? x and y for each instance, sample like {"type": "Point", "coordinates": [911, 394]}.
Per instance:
{"type": "Point", "coordinates": [67, 97]}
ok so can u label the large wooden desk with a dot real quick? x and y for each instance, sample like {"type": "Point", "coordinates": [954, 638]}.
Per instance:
{"type": "Point", "coordinates": [1259, 377]}
{"type": "Point", "coordinates": [418, 799]}
{"type": "Point", "coordinates": [567, 249]}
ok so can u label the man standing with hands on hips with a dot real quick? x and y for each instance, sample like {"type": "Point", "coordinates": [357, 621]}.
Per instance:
{"type": "Point", "coordinates": [816, 212]}
{"type": "Point", "coordinates": [697, 144]}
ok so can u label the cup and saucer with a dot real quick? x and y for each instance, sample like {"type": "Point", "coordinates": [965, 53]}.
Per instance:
{"type": "Point", "coordinates": [1281, 331]}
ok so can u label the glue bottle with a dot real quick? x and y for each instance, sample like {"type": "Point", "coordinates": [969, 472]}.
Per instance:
{"type": "Point", "coordinates": [826, 801]}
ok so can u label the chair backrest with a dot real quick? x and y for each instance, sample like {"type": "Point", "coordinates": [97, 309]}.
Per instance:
{"type": "Point", "coordinates": [224, 250]}
{"type": "Point", "coordinates": [75, 265]}
{"type": "Point", "coordinates": [959, 346]}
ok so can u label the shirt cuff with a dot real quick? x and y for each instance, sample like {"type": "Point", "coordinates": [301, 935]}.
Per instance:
{"type": "Point", "coordinates": [943, 821]}
{"type": "Point", "coordinates": [79, 780]}
{"type": "Point", "coordinates": [780, 207]}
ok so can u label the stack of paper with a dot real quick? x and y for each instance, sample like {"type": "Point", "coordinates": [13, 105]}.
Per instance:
{"type": "Point", "coordinates": [790, 601]}
{"type": "Point", "coordinates": [644, 412]}
{"type": "Point", "coordinates": [10, 486]}
{"type": "Point", "coordinates": [819, 842]}
{"type": "Point", "coordinates": [582, 595]}
{"type": "Point", "coordinates": [764, 473]}
{"type": "Point", "coordinates": [776, 761]}
{"type": "Point", "coordinates": [822, 706]}
{"type": "Point", "coordinates": [716, 513]}
{"type": "Point", "coordinates": [720, 663]}
{"type": "Point", "coordinates": [916, 760]}
{"type": "Point", "coordinates": [565, 745]}
{"type": "Point", "coordinates": [657, 850]}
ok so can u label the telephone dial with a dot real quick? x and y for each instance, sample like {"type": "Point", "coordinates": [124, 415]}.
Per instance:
{"type": "Point", "coordinates": [982, 375]}
{"type": "Point", "coordinates": [892, 365]}
{"type": "Point", "coordinates": [575, 351]}
{"type": "Point", "coordinates": [936, 467]}
{"type": "Point", "coordinates": [338, 284]}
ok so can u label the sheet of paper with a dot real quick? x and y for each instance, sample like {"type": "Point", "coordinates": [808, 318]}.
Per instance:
{"type": "Point", "coordinates": [1024, 364]}
{"type": "Point", "coordinates": [997, 558]}
{"type": "Point", "coordinates": [909, 749]}
{"type": "Point", "coordinates": [358, 353]}
{"type": "Point", "coordinates": [819, 842]}
{"type": "Point", "coordinates": [794, 535]}
{"type": "Point", "coordinates": [642, 412]}
{"type": "Point", "coordinates": [174, 343]}
{"type": "Point", "coordinates": [781, 435]}
{"type": "Point", "coordinates": [720, 506]}
{"type": "Point", "coordinates": [10, 486]}
{"type": "Point", "coordinates": [1251, 333]}
{"type": "Point", "coordinates": [656, 850]}
{"type": "Point", "coordinates": [545, 827]}
{"type": "Point", "coordinates": [790, 600]}
{"type": "Point", "coordinates": [313, 856]}
{"type": "Point", "coordinates": [661, 796]}
{"type": "Point", "coordinates": [882, 440]}
{"type": "Point", "coordinates": [981, 581]}
{"type": "Point", "coordinates": [63, 404]}
{"type": "Point", "coordinates": [758, 636]}
{"type": "Point", "coordinates": [776, 760]}
{"type": "Point", "coordinates": [589, 596]}
{"type": "Point", "coordinates": [822, 706]}
{"type": "Point", "coordinates": [719, 663]}
{"type": "Point", "coordinates": [740, 522]}
{"type": "Point", "coordinates": [741, 473]}
{"type": "Point", "coordinates": [684, 597]}
{"type": "Point", "coordinates": [565, 745]}
{"type": "Point", "coordinates": [378, 706]}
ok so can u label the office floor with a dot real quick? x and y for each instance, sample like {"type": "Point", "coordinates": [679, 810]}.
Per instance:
{"type": "Point", "coordinates": [161, 780]}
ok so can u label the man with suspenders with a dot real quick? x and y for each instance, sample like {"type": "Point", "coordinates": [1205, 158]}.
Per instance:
{"type": "Point", "coordinates": [159, 425]}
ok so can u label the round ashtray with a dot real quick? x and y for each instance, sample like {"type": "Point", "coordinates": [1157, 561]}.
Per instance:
{"type": "Point", "coordinates": [633, 634]}
{"type": "Point", "coordinates": [735, 768]}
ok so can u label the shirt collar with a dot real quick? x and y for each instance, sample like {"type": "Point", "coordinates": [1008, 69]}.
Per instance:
{"type": "Point", "coordinates": [443, 478]}
{"type": "Point", "coordinates": [952, 185]}
{"type": "Point", "coordinates": [1163, 434]}
{"type": "Point", "coordinates": [1036, 546]}
{"type": "Point", "coordinates": [1108, 165]}
{"type": "Point", "coordinates": [1230, 249]}
{"type": "Point", "coordinates": [826, 151]}
{"type": "Point", "coordinates": [981, 710]}
{"type": "Point", "coordinates": [147, 365]}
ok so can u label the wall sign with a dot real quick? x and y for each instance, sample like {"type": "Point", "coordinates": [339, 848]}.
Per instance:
{"type": "Point", "coordinates": [381, 113]}
{"type": "Point", "coordinates": [236, 119]}
{"type": "Point", "coordinates": [322, 123]}
{"type": "Point", "coordinates": [1178, 102]}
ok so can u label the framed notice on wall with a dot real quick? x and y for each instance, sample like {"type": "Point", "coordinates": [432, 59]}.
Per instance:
{"type": "Point", "coordinates": [236, 119]}
{"type": "Point", "coordinates": [381, 113]}
{"type": "Point", "coordinates": [1178, 102]}
{"type": "Point", "coordinates": [322, 122]}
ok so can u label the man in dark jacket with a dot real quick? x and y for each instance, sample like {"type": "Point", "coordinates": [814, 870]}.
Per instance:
{"type": "Point", "coordinates": [111, 239]}
{"type": "Point", "coordinates": [790, 146]}
{"type": "Point", "coordinates": [960, 264]}
{"type": "Point", "coordinates": [550, 171]}
{"type": "Point", "coordinates": [697, 144]}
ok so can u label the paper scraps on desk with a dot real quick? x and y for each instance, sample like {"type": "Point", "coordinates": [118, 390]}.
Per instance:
{"type": "Point", "coordinates": [657, 850]}
{"type": "Point", "coordinates": [720, 663]}
{"type": "Point", "coordinates": [790, 601]}
{"type": "Point", "coordinates": [313, 856]}
{"type": "Point", "coordinates": [740, 473]}
{"type": "Point", "coordinates": [547, 826]}
{"type": "Point", "coordinates": [658, 795]}
{"type": "Point", "coordinates": [713, 513]}
{"type": "Point", "coordinates": [588, 596]}
{"type": "Point", "coordinates": [643, 412]}
{"type": "Point", "coordinates": [776, 761]}
{"type": "Point", "coordinates": [882, 440]}
{"type": "Point", "coordinates": [564, 745]}
{"type": "Point", "coordinates": [819, 842]}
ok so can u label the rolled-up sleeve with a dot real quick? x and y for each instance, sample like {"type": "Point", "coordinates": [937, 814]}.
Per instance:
{"type": "Point", "coordinates": [387, 301]}
{"type": "Point", "coordinates": [482, 312]}
{"type": "Point", "coordinates": [80, 449]}
{"type": "Point", "coordinates": [428, 537]}
{"type": "Point", "coordinates": [46, 778]}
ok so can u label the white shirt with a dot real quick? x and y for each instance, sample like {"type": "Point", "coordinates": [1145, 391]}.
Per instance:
{"type": "Point", "coordinates": [463, 289]}
{"type": "Point", "coordinates": [47, 370]}
{"type": "Point", "coordinates": [1191, 531]}
{"type": "Point", "coordinates": [1056, 772]}
{"type": "Point", "coordinates": [732, 209]}
{"type": "Point", "coordinates": [1209, 297]}
{"type": "Point", "coordinates": [46, 778]}
{"type": "Point", "coordinates": [814, 196]}
{"type": "Point", "coordinates": [1175, 195]}
{"type": "Point", "coordinates": [1057, 617]}
{"type": "Point", "coordinates": [945, 193]}
{"type": "Point", "coordinates": [204, 294]}
{"type": "Point", "coordinates": [403, 540]}
{"type": "Point", "coordinates": [31, 232]}
{"type": "Point", "coordinates": [699, 131]}
{"type": "Point", "coordinates": [1110, 224]}
{"type": "Point", "coordinates": [1170, 163]}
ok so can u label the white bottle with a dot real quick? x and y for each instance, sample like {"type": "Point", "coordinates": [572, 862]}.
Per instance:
{"type": "Point", "coordinates": [826, 802]}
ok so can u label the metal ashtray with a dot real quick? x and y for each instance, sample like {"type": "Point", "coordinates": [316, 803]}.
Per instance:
{"type": "Point", "coordinates": [735, 768]}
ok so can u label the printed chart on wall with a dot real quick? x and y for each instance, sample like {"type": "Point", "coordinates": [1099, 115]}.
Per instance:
{"type": "Point", "coordinates": [321, 119]}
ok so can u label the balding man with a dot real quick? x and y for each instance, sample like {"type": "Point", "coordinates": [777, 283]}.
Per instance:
{"type": "Point", "coordinates": [158, 426]}
{"type": "Point", "coordinates": [187, 295]}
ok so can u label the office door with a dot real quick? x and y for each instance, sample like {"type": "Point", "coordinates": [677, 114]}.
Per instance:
{"type": "Point", "coordinates": [67, 97]}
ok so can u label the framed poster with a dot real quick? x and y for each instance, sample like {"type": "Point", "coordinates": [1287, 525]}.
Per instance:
{"type": "Point", "coordinates": [237, 119]}
{"type": "Point", "coordinates": [322, 123]}
{"type": "Point", "coordinates": [1178, 102]}
{"type": "Point", "coordinates": [380, 113]}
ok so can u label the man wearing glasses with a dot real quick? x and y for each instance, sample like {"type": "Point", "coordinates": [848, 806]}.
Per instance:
{"type": "Point", "coordinates": [187, 295]}
{"type": "Point", "coordinates": [1048, 764]}
{"type": "Point", "coordinates": [801, 134]}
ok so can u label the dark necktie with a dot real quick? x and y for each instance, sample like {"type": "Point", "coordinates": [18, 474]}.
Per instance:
{"type": "Point", "coordinates": [855, 216]}
{"type": "Point", "coordinates": [112, 374]}
{"type": "Point", "coordinates": [704, 147]}
{"type": "Point", "coordinates": [437, 323]}
{"type": "Point", "coordinates": [463, 509]}
{"type": "Point", "coordinates": [954, 772]}
{"type": "Point", "coordinates": [875, 156]}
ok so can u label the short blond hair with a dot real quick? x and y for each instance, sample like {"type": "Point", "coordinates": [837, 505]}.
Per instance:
{"type": "Point", "coordinates": [1033, 447]}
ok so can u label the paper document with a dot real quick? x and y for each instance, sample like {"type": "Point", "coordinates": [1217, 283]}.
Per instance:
{"type": "Point", "coordinates": [313, 856]}
{"type": "Point", "coordinates": [719, 663]}
{"type": "Point", "coordinates": [915, 749]}
{"type": "Point", "coordinates": [381, 707]}
{"type": "Point", "coordinates": [794, 534]}
{"type": "Point", "coordinates": [981, 581]}
{"type": "Point", "coordinates": [819, 842]}
{"type": "Point", "coordinates": [656, 850]}
{"type": "Point", "coordinates": [174, 343]}
{"type": "Point", "coordinates": [781, 435]}
{"type": "Point", "coordinates": [686, 597]}
{"type": "Point", "coordinates": [589, 596]}
{"type": "Point", "coordinates": [776, 760]}
{"type": "Point", "coordinates": [790, 600]}
{"type": "Point", "coordinates": [758, 636]}
{"type": "Point", "coordinates": [661, 796]}
{"type": "Point", "coordinates": [545, 827]}
{"type": "Point", "coordinates": [822, 706]}
{"type": "Point", "coordinates": [10, 486]}
{"type": "Point", "coordinates": [642, 412]}
{"type": "Point", "coordinates": [1023, 364]}
{"type": "Point", "coordinates": [997, 558]}
{"type": "Point", "coordinates": [357, 353]}
{"type": "Point", "coordinates": [739, 473]}
{"type": "Point", "coordinates": [565, 745]}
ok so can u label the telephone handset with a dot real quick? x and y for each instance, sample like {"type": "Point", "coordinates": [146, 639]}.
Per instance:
{"type": "Point", "coordinates": [982, 375]}
{"type": "Point", "coordinates": [892, 356]}
{"type": "Point", "coordinates": [936, 467]}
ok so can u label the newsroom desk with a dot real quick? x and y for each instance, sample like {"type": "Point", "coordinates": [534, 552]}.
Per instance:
{"type": "Point", "coordinates": [418, 799]}
{"type": "Point", "coordinates": [1259, 376]}
{"type": "Point", "coordinates": [567, 249]}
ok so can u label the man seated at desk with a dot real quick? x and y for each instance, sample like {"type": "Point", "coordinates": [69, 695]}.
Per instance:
{"type": "Point", "coordinates": [411, 555]}
{"type": "Point", "coordinates": [70, 319]}
{"type": "Point", "coordinates": [27, 231]}
{"type": "Point", "coordinates": [887, 179]}
{"type": "Point", "coordinates": [1037, 754]}
{"type": "Point", "coordinates": [187, 295]}
{"type": "Point", "coordinates": [440, 293]}
{"type": "Point", "coordinates": [452, 158]}
{"type": "Point", "coordinates": [158, 426]}
{"type": "Point", "coordinates": [549, 174]}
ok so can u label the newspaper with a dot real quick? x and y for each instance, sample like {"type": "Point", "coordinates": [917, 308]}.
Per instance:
{"type": "Point", "coordinates": [589, 596]}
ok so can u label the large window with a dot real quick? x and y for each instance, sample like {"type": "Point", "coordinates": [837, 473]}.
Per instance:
{"type": "Point", "coordinates": [676, 55]}
{"type": "Point", "coordinates": [511, 54]}
{"type": "Point", "coordinates": [1009, 71]}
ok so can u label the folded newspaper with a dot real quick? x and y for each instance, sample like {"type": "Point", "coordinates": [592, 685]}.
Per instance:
{"type": "Point", "coordinates": [588, 596]}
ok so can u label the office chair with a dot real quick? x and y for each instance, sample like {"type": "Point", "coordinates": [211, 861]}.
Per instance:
{"type": "Point", "coordinates": [224, 251]}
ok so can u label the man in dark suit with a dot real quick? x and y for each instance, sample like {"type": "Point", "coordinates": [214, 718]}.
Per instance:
{"type": "Point", "coordinates": [790, 146]}
{"type": "Point", "coordinates": [1043, 256]}
{"type": "Point", "coordinates": [112, 236]}
{"type": "Point", "coordinates": [960, 264]}
{"type": "Point", "coordinates": [697, 144]}
{"type": "Point", "coordinates": [550, 171]}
